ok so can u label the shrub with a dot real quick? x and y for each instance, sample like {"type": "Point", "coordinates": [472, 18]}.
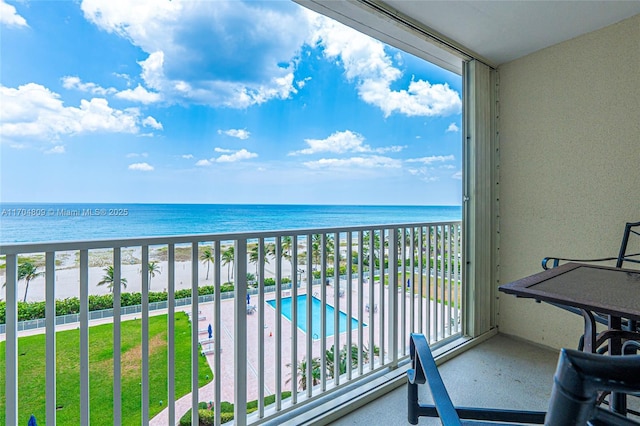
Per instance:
{"type": "Point", "coordinates": [35, 310]}
{"type": "Point", "coordinates": [207, 417]}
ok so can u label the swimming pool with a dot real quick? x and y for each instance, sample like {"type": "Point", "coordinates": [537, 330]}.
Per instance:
{"type": "Point", "coordinates": [316, 310]}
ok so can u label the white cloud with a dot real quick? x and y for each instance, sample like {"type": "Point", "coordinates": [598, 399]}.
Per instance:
{"type": "Point", "coordinates": [143, 167]}
{"type": "Point", "coordinates": [431, 159]}
{"type": "Point", "coordinates": [235, 133]}
{"type": "Point", "coordinates": [369, 162]}
{"type": "Point", "coordinates": [151, 122]}
{"type": "Point", "coordinates": [10, 17]}
{"type": "Point", "coordinates": [229, 156]}
{"type": "Point", "coordinates": [184, 40]}
{"type": "Point", "coordinates": [187, 156]}
{"type": "Point", "coordinates": [34, 112]}
{"type": "Point", "coordinates": [424, 174]}
{"type": "Point", "coordinates": [135, 154]}
{"type": "Point", "coordinates": [341, 142]}
{"type": "Point", "coordinates": [453, 128]}
{"type": "Point", "coordinates": [74, 83]}
{"type": "Point", "coordinates": [303, 82]}
{"type": "Point", "coordinates": [58, 149]}
{"type": "Point", "coordinates": [338, 142]}
{"type": "Point", "coordinates": [457, 175]}
{"type": "Point", "coordinates": [368, 65]}
{"type": "Point", "coordinates": [223, 150]}
{"type": "Point", "coordinates": [139, 94]}
{"type": "Point", "coordinates": [243, 154]}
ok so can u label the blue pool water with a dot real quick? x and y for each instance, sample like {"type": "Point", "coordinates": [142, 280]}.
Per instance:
{"type": "Point", "coordinates": [316, 309]}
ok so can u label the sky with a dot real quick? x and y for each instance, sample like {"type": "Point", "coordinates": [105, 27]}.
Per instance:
{"type": "Point", "coordinates": [153, 101]}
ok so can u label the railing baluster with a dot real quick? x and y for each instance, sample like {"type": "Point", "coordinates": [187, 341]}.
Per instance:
{"type": "Point", "coordinates": [117, 331]}
{"type": "Point", "coordinates": [323, 314]}
{"type": "Point", "coordinates": [171, 339]}
{"type": "Point", "coordinates": [50, 346]}
{"type": "Point", "coordinates": [456, 277]}
{"type": "Point", "coordinates": [145, 335]}
{"type": "Point", "coordinates": [195, 350]}
{"type": "Point", "coordinates": [349, 283]}
{"type": "Point", "coordinates": [421, 280]}
{"type": "Point", "coordinates": [278, 334]}
{"type": "Point", "coordinates": [309, 350]}
{"type": "Point", "coordinates": [360, 302]}
{"type": "Point", "coordinates": [432, 257]}
{"type": "Point", "coordinates": [382, 306]}
{"type": "Point", "coordinates": [412, 288]}
{"type": "Point", "coordinates": [403, 289]}
{"type": "Point", "coordinates": [393, 297]}
{"type": "Point", "coordinates": [293, 252]}
{"type": "Point", "coordinates": [240, 333]}
{"type": "Point", "coordinates": [217, 330]}
{"type": "Point", "coordinates": [336, 310]}
{"type": "Point", "coordinates": [261, 364]}
{"type": "Point", "coordinates": [372, 304]}
{"type": "Point", "coordinates": [441, 285]}
{"type": "Point", "coordinates": [84, 338]}
{"type": "Point", "coordinates": [11, 348]}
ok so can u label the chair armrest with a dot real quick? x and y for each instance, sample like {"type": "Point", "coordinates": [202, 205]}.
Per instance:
{"type": "Point", "coordinates": [424, 369]}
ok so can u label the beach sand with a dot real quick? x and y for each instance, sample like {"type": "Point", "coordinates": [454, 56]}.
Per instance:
{"type": "Point", "coordinates": [67, 277]}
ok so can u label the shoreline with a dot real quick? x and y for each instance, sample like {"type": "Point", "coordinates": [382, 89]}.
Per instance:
{"type": "Point", "coordinates": [67, 276]}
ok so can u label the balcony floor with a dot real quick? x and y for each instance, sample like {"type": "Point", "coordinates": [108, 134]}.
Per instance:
{"type": "Point", "coordinates": [501, 372]}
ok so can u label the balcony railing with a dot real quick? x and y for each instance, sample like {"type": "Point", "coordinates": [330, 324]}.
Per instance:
{"type": "Point", "coordinates": [297, 294]}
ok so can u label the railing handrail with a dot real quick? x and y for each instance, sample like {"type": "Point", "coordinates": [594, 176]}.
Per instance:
{"type": "Point", "coordinates": [58, 246]}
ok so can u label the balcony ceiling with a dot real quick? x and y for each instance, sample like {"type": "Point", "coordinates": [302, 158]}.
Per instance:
{"type": "Point", "coordinates": [501, 31]}
{"type": "Point", "coordinates": [494, 32]}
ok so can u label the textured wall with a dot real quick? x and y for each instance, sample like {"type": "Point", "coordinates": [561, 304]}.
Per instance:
{"type": "Point", "coordinates": [569, 164]}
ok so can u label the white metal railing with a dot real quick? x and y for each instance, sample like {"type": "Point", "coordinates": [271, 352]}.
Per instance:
{"type": "Point", "coordinates": [395, 279]}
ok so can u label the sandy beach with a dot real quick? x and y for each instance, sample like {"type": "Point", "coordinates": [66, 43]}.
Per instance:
{"type": "Point", "coordinates": [68, 274]}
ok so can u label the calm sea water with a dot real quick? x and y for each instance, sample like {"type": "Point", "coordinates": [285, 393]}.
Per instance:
{"type": "Point", "coordinates": [20, 222]}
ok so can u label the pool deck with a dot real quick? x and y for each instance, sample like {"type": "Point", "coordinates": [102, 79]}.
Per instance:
{"type": "Point", "coordinates": [207, 392]}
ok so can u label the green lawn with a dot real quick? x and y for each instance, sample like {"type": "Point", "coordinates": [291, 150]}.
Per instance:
{"type": "Point", "coordinates": [31, 372]}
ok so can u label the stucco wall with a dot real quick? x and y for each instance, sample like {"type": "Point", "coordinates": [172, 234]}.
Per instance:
{"type": "Point", "coordinates": [569, 135]}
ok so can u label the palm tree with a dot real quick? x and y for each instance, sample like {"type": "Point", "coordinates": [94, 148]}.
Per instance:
{"type": "Point", "coordinates": [228, 257]}
{"type": "Point", "coordinates": [302, 373]}
{"type": "Point", "coordinates": [107, 278]}
{"type": "Point", "coordinates": [344, 355]}
{"type": "Point", "coordinates": [27, 271]}
{"type": "Point", "coordinates": [254, 257]}
{"type": "Point", "coordinates": [316, 247]}
{"type": "Point", "coordinates": [154, 269]}
{"type": "Point", "coordinates": [207, 258]}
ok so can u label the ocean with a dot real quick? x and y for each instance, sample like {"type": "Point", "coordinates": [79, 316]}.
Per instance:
{"type": "Point", "coordinates": [30, 222]}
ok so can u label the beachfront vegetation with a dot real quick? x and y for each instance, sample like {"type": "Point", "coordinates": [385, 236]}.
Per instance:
{"type": "Point", "coordinates": [154, 269]}
{"type": "Point", "coordinates": [206, 415]}
{"type": "Point", "coordinates": [31, 374]}
{"type": "Point", "coordinates": [27, 272]}
{"type": "Point", "coordinates": [207, 258]}
{"type": "Point", "coordinates": [35, 310]}
{"type": "Point", "coordinates": [353, 355]}
{"type": "Point", "coordinates": [228, 257]}
{"type": "Point", "coordinates": [108, 279]}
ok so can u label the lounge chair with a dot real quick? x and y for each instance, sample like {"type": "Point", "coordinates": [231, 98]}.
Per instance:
{"type": "Point", "coordinates": [368, 308]}
{"type": "Point", "coordinates": [251, 309]}
{"type": "Point", "coordinates": [578, 379]}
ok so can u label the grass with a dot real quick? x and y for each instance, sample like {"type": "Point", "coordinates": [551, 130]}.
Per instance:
{"type": "Point", "coordinates": [31, 372]}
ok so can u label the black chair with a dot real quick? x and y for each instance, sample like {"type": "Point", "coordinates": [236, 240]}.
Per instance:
{"type": "Point", "coordinates": [578, 379]}
{"type": "Point", "coordinates": [622, 257]}
{"type": "Point", "coordinates": [630, 328]}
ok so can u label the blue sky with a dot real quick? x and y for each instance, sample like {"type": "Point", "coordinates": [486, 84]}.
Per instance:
{"type": "Point", "coordinates": [218, 102]}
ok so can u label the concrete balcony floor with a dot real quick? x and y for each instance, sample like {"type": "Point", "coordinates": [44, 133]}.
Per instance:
{"type": "Point", "coordinates": [501, 372]}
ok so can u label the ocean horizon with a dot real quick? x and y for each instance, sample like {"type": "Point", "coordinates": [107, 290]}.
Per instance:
{"type": "Point", "coordinates": [47, 222]}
